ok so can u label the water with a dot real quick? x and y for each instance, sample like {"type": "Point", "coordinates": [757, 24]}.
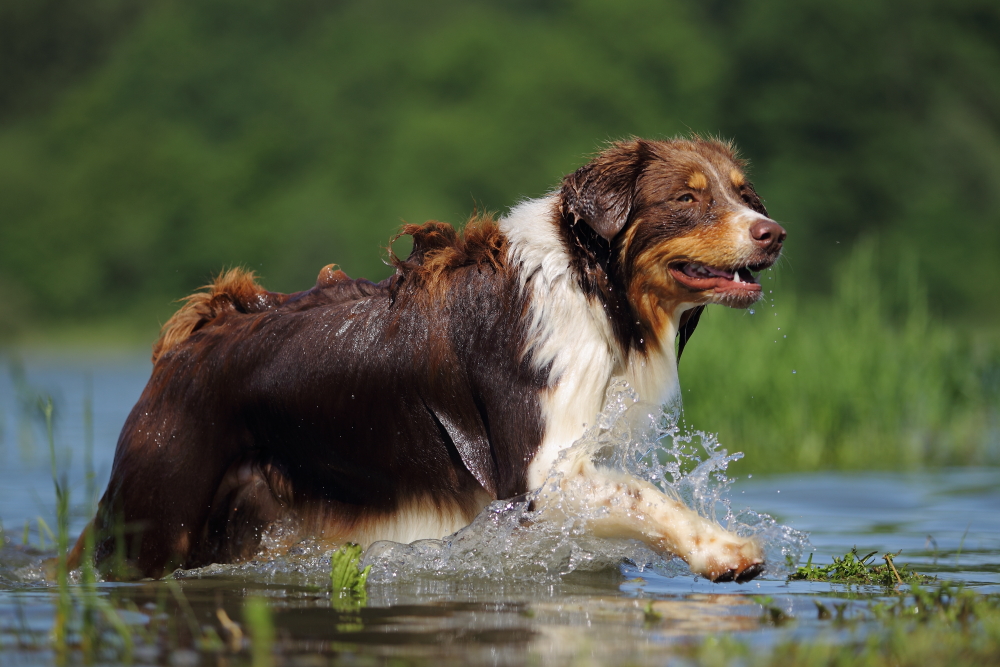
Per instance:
{"type": "Point", "coordinates": [493, 593]}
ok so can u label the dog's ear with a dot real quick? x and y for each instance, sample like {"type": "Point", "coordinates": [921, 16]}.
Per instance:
{"type": "Point", "coordinates": [601, 192]}
{"type": "Point", "coordinates": [689, 320]}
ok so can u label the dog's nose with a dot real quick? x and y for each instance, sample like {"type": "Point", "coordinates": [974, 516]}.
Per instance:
{"type": "Point", "coordinates": [768, 234]}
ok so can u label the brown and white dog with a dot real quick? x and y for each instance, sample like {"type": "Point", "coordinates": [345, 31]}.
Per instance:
{"type": "Point", "coordinates": [359, 412]}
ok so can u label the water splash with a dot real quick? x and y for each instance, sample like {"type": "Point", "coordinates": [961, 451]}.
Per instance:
{"type": "Point", "coordinates": [506, 540]}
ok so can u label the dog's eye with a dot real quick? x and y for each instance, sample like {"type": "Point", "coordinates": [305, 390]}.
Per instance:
{"type": "Point", "coordinates": [686, 197]}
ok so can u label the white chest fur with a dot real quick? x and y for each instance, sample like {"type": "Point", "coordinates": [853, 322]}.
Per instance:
{"type": "Point", "coordinates": [570, 333]}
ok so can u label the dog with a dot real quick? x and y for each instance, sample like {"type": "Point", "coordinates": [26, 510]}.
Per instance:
{"type": "Point", "coordinates": [359, 411]}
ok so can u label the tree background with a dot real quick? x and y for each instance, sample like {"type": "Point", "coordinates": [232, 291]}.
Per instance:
{"type": "Point", "coordinates": [146, 145]}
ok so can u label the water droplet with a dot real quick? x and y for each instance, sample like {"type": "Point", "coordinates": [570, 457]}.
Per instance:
{"type": "Point", "coordinates": [784, 336]}
{"type": "Point", "coordinates": [750, 310]}
{"type": "Point", "coordinates": [794, 372]}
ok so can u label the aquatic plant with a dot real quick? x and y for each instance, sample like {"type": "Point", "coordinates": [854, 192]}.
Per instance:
{"type": "Point", "coordinates": [64, 606]}
{"type": "Point", "coordinates": [83, 620]}
{"type": "Point", "coordinates": [854, 568]}
{"type": "Point", "coordinates": [260, 625]}
{"type": "Point", "coordinates": [346, 577]}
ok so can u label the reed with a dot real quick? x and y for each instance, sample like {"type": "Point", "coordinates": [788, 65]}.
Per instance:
{"type": "Point", "coordinates": [64, 604]}
{"type": "Point", "coordinates": [83, 620]}
{"type": "Point", "coordinates": [88, 577]}
{"type": "Point", "coordinates": [257, 618]}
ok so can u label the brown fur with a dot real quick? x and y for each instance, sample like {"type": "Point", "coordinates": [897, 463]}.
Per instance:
{"type": "Point", "coordinates": [232, 291]}
{"type": "Point", "coordinates": [704, 231]}
{"type": "Point", "coordinates": [438, 250]}
{"type": "Point", "coordinates": [698, 181]}
{"type": "Point", "coordinates": [624, 215]}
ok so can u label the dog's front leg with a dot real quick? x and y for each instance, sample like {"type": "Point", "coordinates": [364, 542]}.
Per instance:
{"type": "Point", "coordinates": [616, 505]}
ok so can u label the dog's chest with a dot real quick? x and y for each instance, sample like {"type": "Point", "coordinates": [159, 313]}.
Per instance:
{"type": "Point", "coordinates": [569, 334]}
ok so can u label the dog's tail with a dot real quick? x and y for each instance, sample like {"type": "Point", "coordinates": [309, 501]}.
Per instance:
{"type": "Point", "coordinates": [233, 291]}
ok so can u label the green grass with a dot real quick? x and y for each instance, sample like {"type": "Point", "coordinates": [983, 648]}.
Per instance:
{"type": "Point", "coordinates": [863, 379]}
{"type": "Point", "coordinates": [854, 568]}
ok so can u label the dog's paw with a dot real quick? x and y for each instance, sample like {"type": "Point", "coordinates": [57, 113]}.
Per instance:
{"type": "Point", "coordinates": [733, 559]}
{"type": "Point", "coordinates": [749, 573]}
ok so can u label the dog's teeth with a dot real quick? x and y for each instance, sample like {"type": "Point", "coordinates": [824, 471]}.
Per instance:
{"type": "Point", "coordinates": [736, 276]}
{"type": "Point", "coordinates": [697, 270]}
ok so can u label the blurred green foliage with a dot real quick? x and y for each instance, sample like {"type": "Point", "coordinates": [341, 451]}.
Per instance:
{"type": "Point", "coordinates": [865, 379]}
{"type": "Point", "coordinates": [146, 145]}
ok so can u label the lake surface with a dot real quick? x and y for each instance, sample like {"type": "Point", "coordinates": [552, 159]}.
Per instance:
{"type": "Point", "coordinates": [945, 522]}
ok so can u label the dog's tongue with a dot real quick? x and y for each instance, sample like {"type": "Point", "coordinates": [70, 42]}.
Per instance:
{"type": "Point", "coordinates": [728, 275]}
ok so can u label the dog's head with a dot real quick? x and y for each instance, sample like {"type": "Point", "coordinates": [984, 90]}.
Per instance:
{"type": "Point", "coordinates": [661, 228]}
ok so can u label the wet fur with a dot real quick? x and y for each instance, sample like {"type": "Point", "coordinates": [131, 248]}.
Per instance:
{"type": "Point", "coordinates": [362, 411]}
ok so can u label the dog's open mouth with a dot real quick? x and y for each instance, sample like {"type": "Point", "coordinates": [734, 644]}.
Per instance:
{"type": "Point", "coordinates": [702, 277]}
